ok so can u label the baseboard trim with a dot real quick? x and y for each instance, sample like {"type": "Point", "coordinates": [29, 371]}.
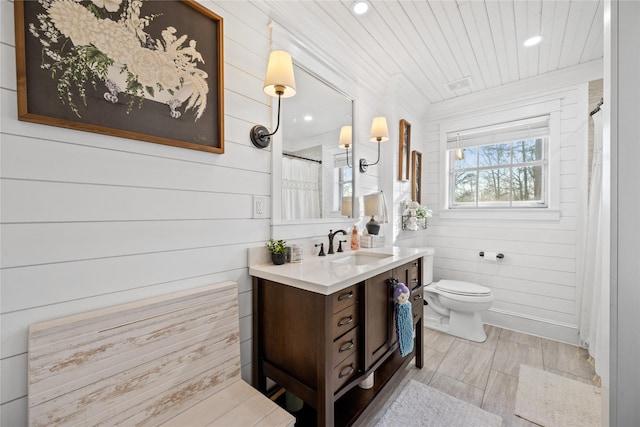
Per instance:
{"type": "Point", "coordinates": [533, 326]}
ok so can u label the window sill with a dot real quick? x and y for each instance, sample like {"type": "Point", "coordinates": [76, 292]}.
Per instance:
{"type": "Point", "coordinates": [533, 214]}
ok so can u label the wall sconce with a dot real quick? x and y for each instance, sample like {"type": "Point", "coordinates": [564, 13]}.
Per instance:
{"type": "Point", "coordinates": [379, 133]}
{"type": "Point", "coordinates": [375, 205]}
{"type": "Point", "coordinates": [279, 81]}
{"type": "Point", "coordinates": [345, 140]}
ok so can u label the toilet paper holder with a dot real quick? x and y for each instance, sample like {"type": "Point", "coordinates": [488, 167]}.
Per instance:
{"type": "Point", "coordinates": [499, 256]}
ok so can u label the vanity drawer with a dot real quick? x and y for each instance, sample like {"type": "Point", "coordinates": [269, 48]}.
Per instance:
{"type": "Point", "coordinates": [345, 320]}
{"type": "Point", "coordinates": [346, 370]}
{"type": "Point", "coordinates": [416, 297]}
{"type": "Point", "coordinates": [344, 298]}
{"type": "Point", "coordinates": [344, 346]}
{"type": "Point", "coordinates": [414, 275]}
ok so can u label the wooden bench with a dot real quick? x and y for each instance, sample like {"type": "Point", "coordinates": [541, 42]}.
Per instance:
{"type": "Point", "coordinates": [172, 360]}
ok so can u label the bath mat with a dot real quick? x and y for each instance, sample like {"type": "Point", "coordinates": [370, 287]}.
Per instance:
{"type": "Point", "coordinates": [421, 405]}
{"type": "Point", "coordinates": [552, 400]}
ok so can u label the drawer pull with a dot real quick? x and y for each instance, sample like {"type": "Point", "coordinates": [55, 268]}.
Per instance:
{"type": "Point", "coordinates": [346, 372]}
{"type": "Point", "coordinates": [348, 345]}
{"type": "Point", "coordinates": [414, 280]}
{"type": "Point", "coordinates": [345, 296]}
{"type": "Point", "coordinates": [417, 297]}
{"type": "Point", "coordinates": [345, 320]}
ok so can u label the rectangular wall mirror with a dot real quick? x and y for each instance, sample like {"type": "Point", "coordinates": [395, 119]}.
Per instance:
{"type": "Point", "coordinates": [315, 181]}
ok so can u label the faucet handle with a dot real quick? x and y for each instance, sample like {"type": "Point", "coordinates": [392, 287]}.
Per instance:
{"type": "Point", "coordinates": [340, 245]}
{"type": "Point", "coordinates": [321, 248]}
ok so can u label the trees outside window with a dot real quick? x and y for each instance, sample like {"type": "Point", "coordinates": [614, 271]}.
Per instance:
{"type": "Point", "coordinates": [506, 174]}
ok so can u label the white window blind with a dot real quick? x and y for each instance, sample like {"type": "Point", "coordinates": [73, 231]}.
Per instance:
{"type": "Point", "coordinates": [502, 132]}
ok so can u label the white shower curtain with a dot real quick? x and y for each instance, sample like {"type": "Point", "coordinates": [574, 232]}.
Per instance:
{"type": "Point", "coordinates": [300, 189]}
{"type": "Point", "coordinates": [594, 282]}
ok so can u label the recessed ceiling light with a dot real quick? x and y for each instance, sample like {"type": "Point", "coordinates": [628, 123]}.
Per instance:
{"type": "Point", "coordinates": [533, 41]}
{"type": "Point", "coordinates": [360, 7]}
{"type": "Point", "coordinates": [308, 118]}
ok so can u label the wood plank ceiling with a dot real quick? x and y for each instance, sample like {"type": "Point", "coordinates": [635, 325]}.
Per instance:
{"type": "Point", "coordinates": [424, 48]}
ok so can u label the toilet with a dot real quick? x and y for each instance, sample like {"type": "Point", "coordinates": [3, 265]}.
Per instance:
{"type": "Point", "coordinates": [455, 307]}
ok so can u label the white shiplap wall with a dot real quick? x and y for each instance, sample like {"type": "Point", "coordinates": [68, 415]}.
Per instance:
{"type": "Point", "coordinates": [535, 284]}
{"type": "Point", "coordinates": [90, 221]}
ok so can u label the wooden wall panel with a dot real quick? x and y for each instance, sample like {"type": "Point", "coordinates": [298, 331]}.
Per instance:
{"type": "Point", "coordinates": [90, 220]}
{"type": "Point", "coordinates": [536, 283]}
{"type": "Point", "coordinates": [71, 202]}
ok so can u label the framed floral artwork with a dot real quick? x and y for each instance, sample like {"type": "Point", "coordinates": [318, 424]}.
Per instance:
{"type": "Point", "coordinates": [416, 176]}
{"type": "Point", "coordinates": [145, 70]}
{"type": "Point", "coordinates": [404, 143]}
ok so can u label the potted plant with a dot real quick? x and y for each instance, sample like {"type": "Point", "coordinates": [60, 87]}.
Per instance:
{"type": "Point", "coordinates": [278, 249]}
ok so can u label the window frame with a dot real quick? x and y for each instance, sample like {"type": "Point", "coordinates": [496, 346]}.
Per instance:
{"type": "Point", "coordinates": [551, 108]}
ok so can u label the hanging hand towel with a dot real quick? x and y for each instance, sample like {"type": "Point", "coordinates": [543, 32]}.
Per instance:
{"type": "Point", "coordinates": [404, 319]}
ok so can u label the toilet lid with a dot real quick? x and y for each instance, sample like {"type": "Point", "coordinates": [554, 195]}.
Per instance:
{"type": "Point", "coordinates": [462, 288]}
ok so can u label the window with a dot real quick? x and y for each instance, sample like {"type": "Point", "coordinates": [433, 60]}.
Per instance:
{"type": "Point", "coordinates": [501, 166]}
{"type": "Point", "coordinates": [345, 182]}
{"type": "Point", "coordinates": [343, 179]}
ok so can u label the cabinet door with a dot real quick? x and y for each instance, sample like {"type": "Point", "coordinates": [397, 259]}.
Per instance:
{"type": "Point", "coordinates": [380, 332]}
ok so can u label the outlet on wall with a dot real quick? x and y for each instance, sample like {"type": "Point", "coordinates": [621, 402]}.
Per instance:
{"type": "Point", "coordinates": [259, 207]}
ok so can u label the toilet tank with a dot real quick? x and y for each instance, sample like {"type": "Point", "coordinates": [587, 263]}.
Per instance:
{"type": "Point", "coordinates": [427, 270]}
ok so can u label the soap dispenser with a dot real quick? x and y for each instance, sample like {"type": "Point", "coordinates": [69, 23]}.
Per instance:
{"type": "Point", "coordinates": [355, 239]}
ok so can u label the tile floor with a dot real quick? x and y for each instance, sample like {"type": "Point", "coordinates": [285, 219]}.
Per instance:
{"type": "Point", "coordinates": [486, 374]}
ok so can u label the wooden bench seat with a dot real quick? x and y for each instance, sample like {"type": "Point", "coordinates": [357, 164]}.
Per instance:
{"type": "Point", "coordinates": [172, 360]}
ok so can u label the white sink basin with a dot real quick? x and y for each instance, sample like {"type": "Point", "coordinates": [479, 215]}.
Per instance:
{"type": "Point", "coordinates": [360, 258]}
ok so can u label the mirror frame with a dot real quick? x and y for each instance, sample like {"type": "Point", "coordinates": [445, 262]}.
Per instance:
{"type": "Point", "coordinates": [329, 72]}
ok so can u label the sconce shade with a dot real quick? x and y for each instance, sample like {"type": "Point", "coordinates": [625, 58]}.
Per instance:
{"type": "Point", "coordinates": [374, 205]}
{"type": "Point", "coordinates": [345, 137]}
{"type": "Point", "coordinates": [279, 77]}
{"type": "Point", "coordinates": [379, 129]}
{"type": "Point", "coordinates": [346, 206]}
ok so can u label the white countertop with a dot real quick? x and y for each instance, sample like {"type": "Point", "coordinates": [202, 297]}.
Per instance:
{"type": "Point", "coordinates": [322, 275]}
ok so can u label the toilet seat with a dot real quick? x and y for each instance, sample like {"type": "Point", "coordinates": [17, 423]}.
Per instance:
{"type": "Point", "coordinates": [456, 287]}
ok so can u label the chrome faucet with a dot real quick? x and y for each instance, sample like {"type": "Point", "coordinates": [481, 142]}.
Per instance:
{"type": "Point", "coordinates": [331, 235]}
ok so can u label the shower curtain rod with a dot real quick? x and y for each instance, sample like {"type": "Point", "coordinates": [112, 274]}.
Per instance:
{"type": "Point", "coordinates": [302, 158]}
{"type": "Point", "coordinates": [595, 110]}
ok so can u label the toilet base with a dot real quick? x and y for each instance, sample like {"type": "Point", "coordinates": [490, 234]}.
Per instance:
{"type": "Point", "coordinates": [467, 325]}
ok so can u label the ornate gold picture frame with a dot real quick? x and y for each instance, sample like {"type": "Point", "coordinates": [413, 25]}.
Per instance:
{"type": "Point", "coordinates": [416, 176]}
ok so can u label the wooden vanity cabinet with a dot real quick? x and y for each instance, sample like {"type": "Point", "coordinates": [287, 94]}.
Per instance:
{"type": "Point", "coordinates": [319, 347]}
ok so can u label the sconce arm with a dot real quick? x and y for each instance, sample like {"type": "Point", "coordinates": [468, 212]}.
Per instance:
{"type": "Point", "coordinates": [363, 162]}
{"type": "Point", "coordinates": [260, 135]}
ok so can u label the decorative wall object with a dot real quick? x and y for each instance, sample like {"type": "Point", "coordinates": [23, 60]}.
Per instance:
{"type": "Point", "coordinates": [414, 215]}
{"type": "Point", "coordinates": [416, 176]}
{"type": "Point", "coordinates": [145, 70]}
{"type": "Point", "coordinates": [405, 151]}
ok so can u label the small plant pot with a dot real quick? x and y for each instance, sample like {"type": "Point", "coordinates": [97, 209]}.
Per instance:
{"type": "Point", "coordinates": [278, 259]}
